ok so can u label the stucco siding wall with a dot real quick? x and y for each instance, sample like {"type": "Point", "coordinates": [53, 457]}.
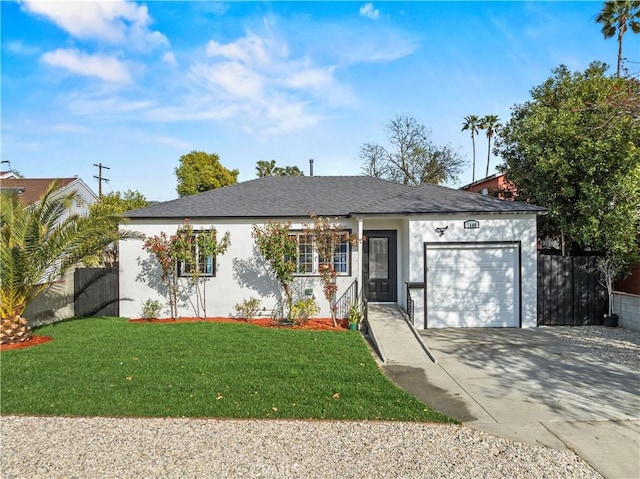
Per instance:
{"type": "Point", "coordinates": [241, 272]}
{"type": "Point", "coordinates": [493, 228]}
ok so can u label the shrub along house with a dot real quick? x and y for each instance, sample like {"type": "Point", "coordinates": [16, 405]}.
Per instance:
{"type": "Point", "coordinates": [465, 260]}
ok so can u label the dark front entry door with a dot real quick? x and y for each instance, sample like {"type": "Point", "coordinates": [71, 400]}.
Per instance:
{"type": "Point", "coordinates": [379, 266]}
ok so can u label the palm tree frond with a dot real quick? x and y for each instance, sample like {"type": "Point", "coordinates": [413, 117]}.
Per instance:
{"type": "Point", "coordinates": [617, 16]}
{"type": "Point", "coordinates": [40, 242]}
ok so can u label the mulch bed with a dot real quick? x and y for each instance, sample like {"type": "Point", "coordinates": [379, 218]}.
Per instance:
{"type": "Point", "coordinates": [33, 341]}
{"type": "Point", "coordinates": [314, 323]}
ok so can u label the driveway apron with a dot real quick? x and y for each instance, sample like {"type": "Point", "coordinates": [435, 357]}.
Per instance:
{"type": "Point", "coordinates": [530, 386]}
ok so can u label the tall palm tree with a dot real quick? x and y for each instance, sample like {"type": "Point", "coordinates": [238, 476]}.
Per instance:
{"type": "Point", "coordinates": [489, 123]}
{"type": "Point", "coordinates": [471, 123]}
{"type": "Point", "coordinates": [617, 16]}
{"type": "Point", "coordinates": [38, 243]}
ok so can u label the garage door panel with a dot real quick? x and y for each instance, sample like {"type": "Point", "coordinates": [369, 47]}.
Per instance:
{"type": "Point", "coordinates": [472, 286]}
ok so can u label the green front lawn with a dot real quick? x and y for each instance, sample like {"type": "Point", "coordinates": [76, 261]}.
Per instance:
{"type": "Point", "coordinates": [110, 367]}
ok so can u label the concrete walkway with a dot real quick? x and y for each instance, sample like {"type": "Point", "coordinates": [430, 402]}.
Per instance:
{"type": "Point", "coordinates": [396, 342]}
{"type": "Point", "coordinates": [522, 384]}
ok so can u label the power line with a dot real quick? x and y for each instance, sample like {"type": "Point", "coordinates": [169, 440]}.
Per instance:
{"type": "Point", "coordinates": [99, 177]}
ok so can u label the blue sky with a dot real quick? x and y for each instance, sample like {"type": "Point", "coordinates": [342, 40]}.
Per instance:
{"type": "Point", "coordinates": [136, 85]}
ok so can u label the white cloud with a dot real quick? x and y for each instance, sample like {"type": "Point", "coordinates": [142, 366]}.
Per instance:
{"type": "Point", "coordinates": [18, 47]}
{"type": "Point", "coordinates": [285, 115]}
{"type": "Point", "coordinates": [106, 68]}
{"type": "Point", "coordinates": [212, 8]}
{"type": "Point", "coordinates": [368, 11]}
{"type": "Point", "coordinates": [234, 78]}
{"type": "Point", "coordinates": [250, 49]}
{"type": "Point", "coordinates": [169, 58]}
{"type": "Point", "coordinates": [118, 22]}
{"type": "Point", "coordinates": [268, 81]}
{"type": "Point", "coordinates": [271, 88]}
{"type": "Point", "coordinates": [99, 105]}
{"type": "Point", "coordinates": [193, 109]}
{"type": "Point", "coordinates": [311, 78]}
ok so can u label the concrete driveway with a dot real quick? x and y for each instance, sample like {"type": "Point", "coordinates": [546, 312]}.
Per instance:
{"type": "Point", "coordinates": [529, 385]}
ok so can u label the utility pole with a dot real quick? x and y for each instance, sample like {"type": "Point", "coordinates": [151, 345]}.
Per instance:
{"type": "Point", "coordinates": [100, 178]}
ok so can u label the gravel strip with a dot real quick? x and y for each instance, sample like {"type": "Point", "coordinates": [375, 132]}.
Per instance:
{"type": "Point", "coordinates": [619, 345]}
{"type": "Point", "coordinates": [46, 447]}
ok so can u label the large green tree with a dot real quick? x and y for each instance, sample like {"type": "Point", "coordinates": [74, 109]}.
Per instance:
{"type": "Point", "coordinates": [200, 171]}
{"type": "Point", "coordinates": [269, 168]}
{"type": "Point", "coordinates": [411, 157]}
{"type": "Point", "coordinates": [38, 243]}
{"type": "Point", "coordinates": [574, 151]}
{"type": "Point", "coordinates": [617, 17]}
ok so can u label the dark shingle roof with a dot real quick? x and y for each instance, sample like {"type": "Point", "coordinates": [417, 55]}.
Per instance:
{"type": "Point", "coordinates": [297, 196]}
{"type": "Point", "coordinates": [438, 199]}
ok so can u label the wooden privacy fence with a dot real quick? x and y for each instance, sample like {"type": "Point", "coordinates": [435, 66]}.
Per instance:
{"type": "Point", "coordinates": [96, 292]}
{"type": "Point", "coordinates": [569, 291]}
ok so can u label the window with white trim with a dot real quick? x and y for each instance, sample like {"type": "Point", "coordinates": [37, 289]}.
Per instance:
{"type": "Point", "coordinates": [206, 264]}
{"type": "Point", "coordinates": [308, 260]}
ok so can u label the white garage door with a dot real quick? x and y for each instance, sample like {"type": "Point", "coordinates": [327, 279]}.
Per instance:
{"type": "Point", "coordinates": [474, 285]}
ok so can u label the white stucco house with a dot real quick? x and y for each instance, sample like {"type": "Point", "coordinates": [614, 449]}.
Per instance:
{"type": "Point", "coordinates": [466, 260]}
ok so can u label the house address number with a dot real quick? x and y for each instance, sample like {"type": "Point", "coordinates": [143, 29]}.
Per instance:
{"type": "Point", "coordinates": [471, 225]}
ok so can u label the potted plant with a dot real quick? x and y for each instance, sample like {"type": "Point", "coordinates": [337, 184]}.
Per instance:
{"type": "Point", "coordinates": [610, 268]}
{"type": "Point", "coordinates": [355, 315]}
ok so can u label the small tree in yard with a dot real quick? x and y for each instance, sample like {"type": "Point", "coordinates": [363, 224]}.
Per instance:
{"type": "Point", "coordinates": [327, 235]}
{"type": "Point", "coordinates": [161, 246]}
{"type": "Point", "coordinates": [279, 249]}
{"type": "Point", "coordinates": [191, 247]}
{"type": "Point", "coordinates": [610, 267]}
{"type": "Point", "coordinates": [194, 249]}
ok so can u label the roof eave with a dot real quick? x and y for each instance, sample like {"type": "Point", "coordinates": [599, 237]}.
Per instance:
{"type": "Point", "coordinates": [449, 212]}
{"type": "Point", "coordinates": [230, 217]}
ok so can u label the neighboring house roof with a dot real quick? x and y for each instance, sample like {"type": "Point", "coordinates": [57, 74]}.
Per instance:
{"type": "Point", "coordinates": [297, 196]}
{"type": "Point", "coordinates": [30, 189]}
{"type": "Point", "coordinates": [491, 185]}
{"type": "Point", "coordinates": [490, 181]}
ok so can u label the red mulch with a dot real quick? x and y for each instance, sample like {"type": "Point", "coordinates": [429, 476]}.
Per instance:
{"type": "Point", "coordinates": [314, 323]}
{"type": "Point", "coordinates": [33, 341]}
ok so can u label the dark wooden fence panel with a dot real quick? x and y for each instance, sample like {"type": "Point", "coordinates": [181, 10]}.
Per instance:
{"type": "Point", "coordinates": [96, 292]}
{"type": "Point", "coordinates": [569, 291]}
